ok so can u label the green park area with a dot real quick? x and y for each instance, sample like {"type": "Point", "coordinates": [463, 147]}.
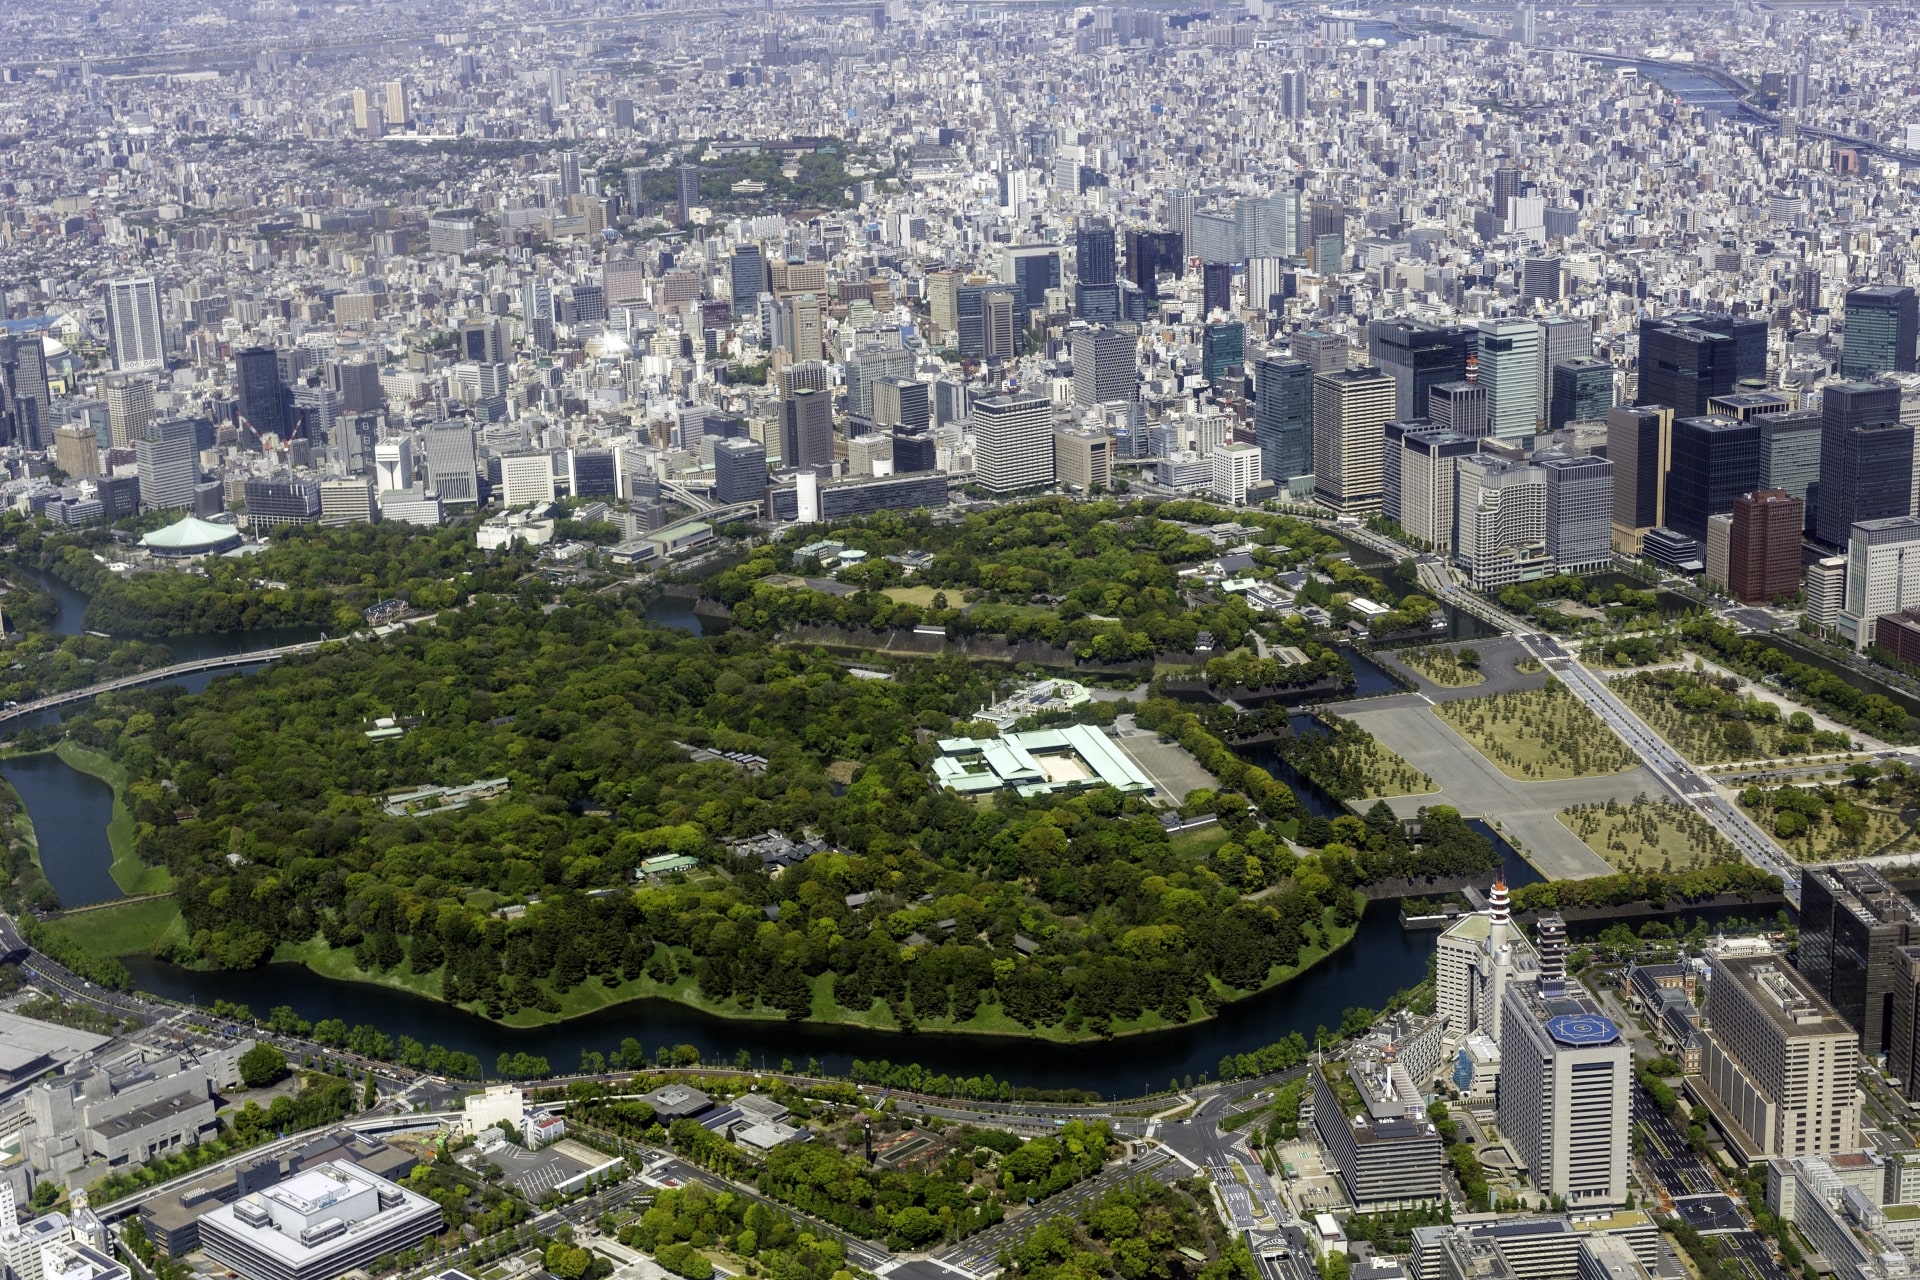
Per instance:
{"type": "Point", "coordinates": [1538, 734]}
{"type": "Point", "coordinates": [1709, 721]}
{"type": "Point", "coordinates": [1453, 668]}
{"type": "Point", "coordinates": [1824, 822]}
{"type": "Point", "coordinates": [1649, 835]}
{"type": "Point", "coordinates": [123, 929]}
{"type": "Point", "coordinates": [1351, 764]}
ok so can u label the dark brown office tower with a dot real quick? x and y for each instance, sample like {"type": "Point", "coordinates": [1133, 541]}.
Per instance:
{"type": "Point", "coordinates": [1851, 924]}
{"type": "Point", "coordinates": [1763, 553]}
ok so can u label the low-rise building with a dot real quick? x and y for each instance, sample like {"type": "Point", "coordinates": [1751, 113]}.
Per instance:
{"type": "Point", "coordinates": [318, 1224]}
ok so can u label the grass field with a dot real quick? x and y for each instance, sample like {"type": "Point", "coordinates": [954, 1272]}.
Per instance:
{"type": "Point", "coordinates": [1381, 770]}
{"type": "Point", "coordinates": [1538, 734]}
{"type": "Point", "coordinates": [1649, 835]}
{"type": "Point", "coordinates": [129, 873]}
{"type": "Point", "coordinates": [1699, 735]}
{"type": "Point", "coordinates": [921, 596]}
{"type": "Point", "coordinates": [126, 929]}
{"type": "Point", "coordinates": [1442, 666]}
{"type": "Point", "coordinates": [1820, 837]}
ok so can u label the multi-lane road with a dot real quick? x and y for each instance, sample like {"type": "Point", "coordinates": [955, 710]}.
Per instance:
{"type": "Point", "coordinates": [1687, 783]}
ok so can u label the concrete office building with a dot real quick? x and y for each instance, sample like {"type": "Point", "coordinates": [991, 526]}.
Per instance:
{"type": "Point", "coordinates": [157, 1108]}
{"type": "Point", "coordinates": [1476, 958]}
{"type": "Point", "coordinates": [806, 436]}
{"type": "Point", "coordinates": [1581, 391]}
{"type": "Point", "coordinates": [1851, 922]}
{"type": "Point", "coordinates": [1500, 520]}
{"type": "Point", "coordinates": [1460, 407]}
{"type": "Point", "coordinates": [815, 499]}
{"type": "Point", "coordinates": [1283, 417]}
{"type": "Point", "coordinates": [1826, 593]}
{"type": "Point", "coordinates": [1419, 357]}
{"type": "Point", "coordinates": [902, 402]}
{"type": "Point", "coordinates": [870, 454]}
{"type": "Point", "coordinates": [1563, 339]}
{"type": "Point", "coordinates": [281, 501]}
{"type": "Point", "coordinates": [1388, 1156]}
{"type": "Point", "coordinates": [129, 408]}
{"type": "Point", "coordinates": [1780, 1068]}
{"type": "Point", "coordinates": [1714, 461]}
{"type": "Point", "coordinates": [526, 479]}
{"type": "Point", "coordinates": [347, 500]}
{"type": "Point", "coordinates": [393, 464]}
{"type": "Point", "coordinates": [1236, 469]}
{"type": "Point", "coordinates": [1883, 576]}
{"type": "Point", "coordinates": [985, 321]}
{"type": "Point", "coordinates": [1320, 351]}
{"type": "Point", "coordinates": [1103, 367]}
{"type": "Point", "coordinates": [1579, 513]}
{"type": "Point", "coordinates": [136, 334]}
{"type": "Point", "coordinates": [1883, 326]}
{"type": "Point", "coordinates": [1640, 446]}
{"type": "Point", "coordinates": [76, 450]}
{"type": "Point", "coordinates": [317, 1224]}
{"type": "Point", "coordinates": [1509, 369]}
{"type": "Point", "coordinates": [1012, 443]}
{"type": "Point", "coordinates": [1763, 553]}
{"type": "Point", "coordinates": [1083, 460]}
{"type": "Point", "coordinates": [1418, 480]}
{"type": "Point", "coordinates": [1565, 1097]}
{"type": "Point", "coordinates": [1790, 452]}
{"type": "Point", "coordinates": [452, 468]}
{"type": "Point", "coordinates": [1351, 409]}
{"type": "Point", "coordinates": [1866, 459]}
{"type": "Point", "coordinates": [739, 471]}
{"type": "Point", "coordinates": [866, 368]}
{"type": "Point", "coordinates": [167, 459]}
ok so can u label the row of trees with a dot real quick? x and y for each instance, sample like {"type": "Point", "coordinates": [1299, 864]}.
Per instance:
{"type": "Point", "coordinates": [1875, 713]}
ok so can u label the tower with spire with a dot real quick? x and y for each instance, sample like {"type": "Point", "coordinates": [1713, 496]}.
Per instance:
{"type": "Point", "coordinates": [1480, 955]}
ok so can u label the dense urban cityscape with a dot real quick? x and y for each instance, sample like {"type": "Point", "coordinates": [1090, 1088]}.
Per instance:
{"type": "Point", "coordinates": [886, 641]}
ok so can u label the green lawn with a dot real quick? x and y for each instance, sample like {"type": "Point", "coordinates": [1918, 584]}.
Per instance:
{"type": "Point", "coordinates": [133, 877]}
{"type": "Point", "coordinates": [1442, 666]}
{"type": "Point", "coordinates": [129, 928]}
{"type": "Point", "coordinates": [1649, 835]}
{"type": "Point", "coordinates": [921, 596]}
{"type": "Point", "coordinates": [1538, 734]}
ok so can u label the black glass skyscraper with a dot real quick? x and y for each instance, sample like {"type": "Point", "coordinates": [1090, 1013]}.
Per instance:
{"type": "Point", "coordinates": [1148, 254]}
{"type": "Point", "coordinates": [1420, 357]}
{"type": "Point", "coordinates": [1216, 287]}
{"type": "Point", "coordinates": [749, 278]}
{"type": "Point", "coordinates": [1715, 460]}
{"type": "Point", "coordinates": [261, 395]}
{"type": "Point", "coordinates": [1093, 252]}
{"type": "Point", "coordinates": [1283, 417]}
{"type": "Point", "coordinates": [1883, 323]}
{"type": "Point", "coordinates": [1866, 459]}
{"type": "Point", "coordinates": [1687, 359]}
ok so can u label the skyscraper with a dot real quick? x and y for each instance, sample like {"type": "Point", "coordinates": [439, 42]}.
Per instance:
{"type": "Point", "coordinates": [1687, 359]}
{"type": "Point", "coordinates": [739, 471]}
{"type": "Point", "coordinates": [1419, 356]}
{"type": "Point", "coordinates": [1216, 288]}
{"type": "Point", "coordinates": [1418, 481]}
{"type": "Point", "coordinates": [1781, 1064]}
{"type": "Point", "coordinates": [1566, 1081]}
{"type": "Point", "coordinates": [1790, 452]}
{"type": "Point", "coordinates": [688, 176]}
{"type": "Point", "coordinates": [1181, 206]}
{"type": "Point", "coordinates": [262, 398]}
{"type": "Point", "coordinates": [1293, 94]}
{"type": "Point", "coordinates": [1458, 406]}
{"type": "Point", "coordinates": [136, 335]}
{"type": "Point", "coordinates": [26, 406]}
{"type": "Point", "coordinates": [1222, 351]}
{"type": "Point", "coordinates": [452, 469]}
{"type": "Point", "coordinates": [1866, 458]}
{"type": "Point", "coordinates": [806, 438]}
{"type": "Point", "coordinates": [1579, 513]}
{"type": "Point", "coordinates": [1323, 352]}
{"type": "Point", "coordinates": [866, 367]}
{"type": "Point", "coordinates": [1506, 185]}
{"type": "Point", "coordinates": [168, 460]}
{"type": "Point", "coordinates": [1883, 324]}
{"type": "Point", "coordinates": [1640, 446]}
{"type": "Point", "coordinates": [748, 277]}
{"type": "Point", "coordinates": [1582, 391]}
{"type": "Point", "coordinates": [902, 402]}
{"type": "Point", "coordinates": [129, 408]}
{"type": "Point", "coordinates": [1851, 920]}
{"type": "Point", "coordinates": [1148, 254]}
{"type": "Point", "coordinates": [1713, 461]}
{"type": "Point", "coordinates": [1103, 367]}
{"type": "Point", "coordinates": [1283, 417]}
{"type": "Point", "coordinates": [1763, 553]}
{"type": "Point", "coordinates": [1096, 291]}
{"type": "Point", "coordinates": [1031, 270]}
{"type": "Point", "coordinates": [1351, 409]}
{"type": "Point", "coordinates": [1510, 371]}
{"type": "Point", "coordinates": [1012, 443]}
{"type": "Point", "coordinates": [986, 322]}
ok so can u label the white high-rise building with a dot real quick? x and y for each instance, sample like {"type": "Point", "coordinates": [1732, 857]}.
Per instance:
{"type": "Point", "coordinates": [1883, 574]}
{"type": "Point", "coordinates": [393, 465]}
{"type": "Point", "coordinates": [1479, 955]}
{"type": "Point", "coordinates": [1012, 442]}
{"type": "Point", "coordinates": [1236, 468]}
{"type": "Point", "coordinates": [1499, 520]}
{"type": "Point", "coordinates": [527, 478]}
{"type": "Point", "coordinates": [1510, 371]}
{"type": "Point", "coordinates": [129, 408]}
{"type": "Point", "coordinates": [136, 334]}
{"type": "Point", "coordinates": [1565, 1097]}
{"type": "Point", "coordinates": [1782, 1068]}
